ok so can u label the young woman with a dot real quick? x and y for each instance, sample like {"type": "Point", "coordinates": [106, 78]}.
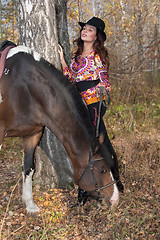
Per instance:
{"type": "Point", "coordinates": [89, 72]}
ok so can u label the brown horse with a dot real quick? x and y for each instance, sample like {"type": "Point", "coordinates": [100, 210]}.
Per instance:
{"type": "Point", "coordinates": [34, 94]}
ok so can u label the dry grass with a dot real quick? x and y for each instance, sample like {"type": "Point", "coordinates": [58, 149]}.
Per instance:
{"type": "Point", "coordinates": [136, 217]}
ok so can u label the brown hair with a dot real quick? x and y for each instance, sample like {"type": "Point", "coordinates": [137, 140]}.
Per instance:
{"type": "Point", "coordinates": [98, 46]}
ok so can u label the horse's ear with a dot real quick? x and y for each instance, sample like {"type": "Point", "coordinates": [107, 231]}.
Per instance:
{"type": "Point", "coordinates": [101, 138]}
{"type": "Point", "coordinates": [95, 145]}
{"type": "Point", "coordinates": [97, 142]}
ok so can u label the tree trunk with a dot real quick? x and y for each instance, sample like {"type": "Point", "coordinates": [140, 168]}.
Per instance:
{"type": "Point", "coordinates": [38, 30]}
{"type": "Point", "coordinates": [62, 27]}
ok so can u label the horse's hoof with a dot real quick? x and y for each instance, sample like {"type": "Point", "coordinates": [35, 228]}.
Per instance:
{"type": "Point", "coordinates": [32, 208]}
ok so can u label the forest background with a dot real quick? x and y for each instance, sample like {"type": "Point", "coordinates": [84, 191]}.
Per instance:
{"type": "Point", "coordinates": [132, 120]}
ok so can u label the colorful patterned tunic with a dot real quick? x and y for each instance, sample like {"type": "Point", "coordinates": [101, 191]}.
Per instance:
{"type": "Point", "coordinates": [88, 69]}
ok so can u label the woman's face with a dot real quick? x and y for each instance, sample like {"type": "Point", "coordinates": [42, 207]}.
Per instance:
{"type": "Point", "coordinates": [88, 33]}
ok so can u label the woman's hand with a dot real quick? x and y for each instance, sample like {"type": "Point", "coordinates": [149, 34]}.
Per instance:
{"type": "Point", "coordinates": [63, 62]}
{"type": "Point", "coordinates": [60, 50]}
{"type": "Point", "coordinates": [100, 89]}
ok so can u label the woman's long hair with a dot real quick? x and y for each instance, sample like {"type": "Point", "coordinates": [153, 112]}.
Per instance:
{"type": "Point", "coordinates": [99, 48]}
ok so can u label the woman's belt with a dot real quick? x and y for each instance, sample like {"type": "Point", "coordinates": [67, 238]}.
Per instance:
{"type": "Point", "coordinates": [84, 85]}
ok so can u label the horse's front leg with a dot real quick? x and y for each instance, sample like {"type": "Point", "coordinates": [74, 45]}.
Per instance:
{"type": "Point", "coordinates": [1, 137]}
{"type": "Point", "coordinates": [30, 144]}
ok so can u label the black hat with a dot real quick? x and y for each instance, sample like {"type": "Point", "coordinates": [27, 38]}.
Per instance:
{"type": "Point", "coordinates": [96, 22]}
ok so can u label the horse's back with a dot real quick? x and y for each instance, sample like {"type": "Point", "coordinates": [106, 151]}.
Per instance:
{"type": "Point", "coordinates": [17, 113]}
{"type": "Point", "coordinates": [36, 93]}
{"type": "Point", "coordinates": [30, 90]}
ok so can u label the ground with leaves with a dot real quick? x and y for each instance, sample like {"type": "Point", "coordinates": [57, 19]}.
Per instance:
{"type": "Point", "coordinates": [136, 217]}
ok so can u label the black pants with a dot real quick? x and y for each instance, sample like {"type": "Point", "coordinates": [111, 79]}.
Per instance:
{"type": "Point", "coordinates": [94, 110]}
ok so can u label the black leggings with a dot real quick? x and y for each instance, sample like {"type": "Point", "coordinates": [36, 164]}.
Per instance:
{"type": "Point", "coordinates": [94, 111]}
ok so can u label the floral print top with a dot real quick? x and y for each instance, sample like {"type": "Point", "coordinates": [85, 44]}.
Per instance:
{"type": "Point", "coordinates": [88, 69]}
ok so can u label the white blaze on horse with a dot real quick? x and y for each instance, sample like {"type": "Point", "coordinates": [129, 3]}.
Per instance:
{"type": "Point", "coordinates": [34, 94]}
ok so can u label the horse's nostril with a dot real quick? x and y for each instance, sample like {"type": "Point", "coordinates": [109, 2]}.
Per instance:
{"type": "Point", "coordinates": [103, 171]}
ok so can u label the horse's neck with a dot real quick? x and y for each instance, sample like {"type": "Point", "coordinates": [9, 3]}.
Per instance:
{"type": "Point", "coordinates": [71, 134]}
{"type": "Point", "coordinates": [76, 144]}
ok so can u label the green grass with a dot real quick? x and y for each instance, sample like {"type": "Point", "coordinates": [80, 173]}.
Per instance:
{"type": "Point", "coordinates": [128, 118]}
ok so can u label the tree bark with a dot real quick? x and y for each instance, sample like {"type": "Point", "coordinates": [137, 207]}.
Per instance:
{"type": "Point", "coordinates": [38, 30]}
{"type": "Point", "coordinates": [62, 28]}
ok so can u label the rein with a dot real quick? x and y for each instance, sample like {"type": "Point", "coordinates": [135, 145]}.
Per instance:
{"type": "Point", "coordinates": [100, 105]}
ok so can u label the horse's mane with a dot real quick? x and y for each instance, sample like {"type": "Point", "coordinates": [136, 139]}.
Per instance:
{"type": "Point", "coordinates": [71, 93]}
{"type": "Point", "coordinates": [74, 97]}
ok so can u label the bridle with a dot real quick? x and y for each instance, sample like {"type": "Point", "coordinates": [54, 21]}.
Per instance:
{"type": "Point", "coordinates": [90, 165]}
{"type": "Point", "coordinates": [91, 162]}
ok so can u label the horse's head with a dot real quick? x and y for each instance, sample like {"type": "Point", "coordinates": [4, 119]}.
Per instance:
{"type": "Point", "coordinates": [96, 179]}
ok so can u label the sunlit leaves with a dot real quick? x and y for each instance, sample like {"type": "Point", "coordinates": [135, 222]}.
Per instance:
{"type": "Point", "coordinates": [8, 19]}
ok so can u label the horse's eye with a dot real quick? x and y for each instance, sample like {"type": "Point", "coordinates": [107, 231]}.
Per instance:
{"type": "Point", "coordinates": [103, 171]}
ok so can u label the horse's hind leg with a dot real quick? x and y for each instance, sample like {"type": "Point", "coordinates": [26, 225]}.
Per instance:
{"type": "Point", "coordinates": [30, 144]}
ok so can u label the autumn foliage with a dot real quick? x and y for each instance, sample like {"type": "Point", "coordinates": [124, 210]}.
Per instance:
{"type": "Point", "coordinates": [132, 121]}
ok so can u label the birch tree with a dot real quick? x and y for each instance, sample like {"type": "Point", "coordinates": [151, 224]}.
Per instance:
{"type": "Point", "coordinates": [38, 30]}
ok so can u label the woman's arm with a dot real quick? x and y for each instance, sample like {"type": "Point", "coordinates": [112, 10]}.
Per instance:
{"type": "Point", "coordinates": [61, 55]}
{"type": "Point", "coordinates": [66, 70]}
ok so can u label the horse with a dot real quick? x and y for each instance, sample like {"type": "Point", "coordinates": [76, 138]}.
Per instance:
{"type": "Point", "coordinates": [33, 95]}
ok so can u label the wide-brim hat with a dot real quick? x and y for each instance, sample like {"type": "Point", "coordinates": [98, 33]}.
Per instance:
{"type": "Point", "coordinates": [96, 22]}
